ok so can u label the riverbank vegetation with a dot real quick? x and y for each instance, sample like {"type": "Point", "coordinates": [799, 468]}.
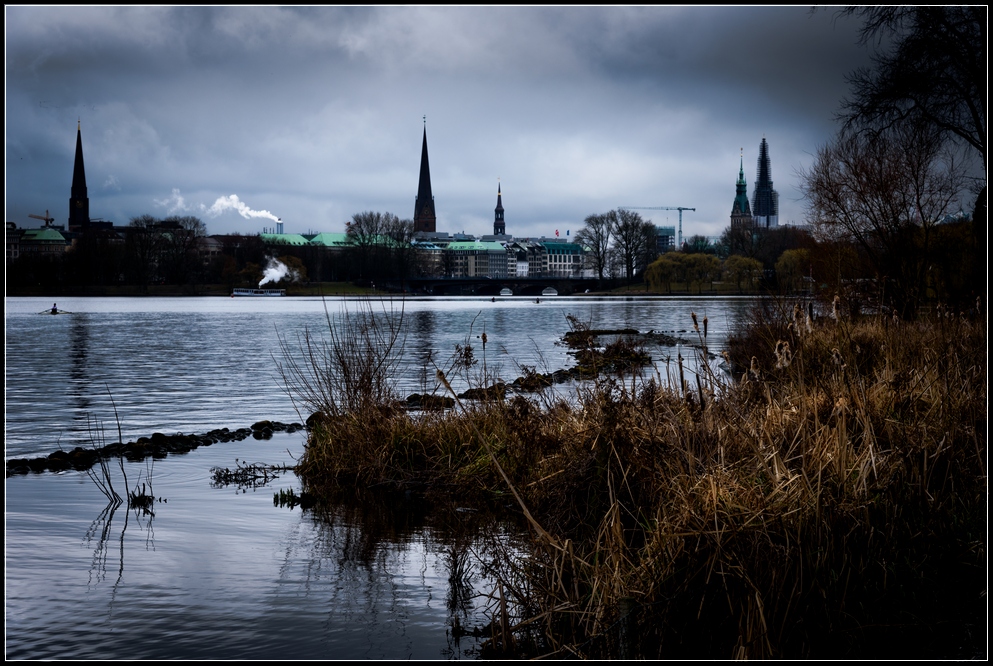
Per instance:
{"type": "Point", "coordinates": [828, 500]}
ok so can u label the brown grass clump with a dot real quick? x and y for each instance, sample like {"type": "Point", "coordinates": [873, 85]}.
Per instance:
{"type": "Point", "coordinates": [832, 503]}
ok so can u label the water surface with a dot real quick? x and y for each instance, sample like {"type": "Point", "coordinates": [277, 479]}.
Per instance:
{"type": "Point", "coordinates": [220, 572]}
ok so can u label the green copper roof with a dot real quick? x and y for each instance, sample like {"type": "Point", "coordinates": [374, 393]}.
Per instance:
{"type": "Point", "coordinates": [329, 239]}
{"type": "Point", "coordinates": [283, 239]}
{"type": "Point", "coordinates": [478, 246]}
{"type": "Point", "coordinates": [42, 235]}
{"type": "Point", "coordinates": [563, 248]}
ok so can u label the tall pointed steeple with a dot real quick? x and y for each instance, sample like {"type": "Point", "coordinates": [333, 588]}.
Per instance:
{"type": "Point", "coordinates": [424, 215]}
{"type": "Point", "coordinates": [499, 227]}
{"type": "Point", "coordinates": [765, 204]}
{"type": "Point", "coordinates": [741, 213]}
{"type": "Point", "coordinates": [79, 203]}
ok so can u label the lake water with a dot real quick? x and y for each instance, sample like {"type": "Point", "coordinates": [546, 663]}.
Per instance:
{"type": "Point", "coordinates": [220, 572]}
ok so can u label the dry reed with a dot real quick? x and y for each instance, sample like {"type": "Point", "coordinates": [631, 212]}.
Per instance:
{"type": "Point", "coordinates": [832, 503]}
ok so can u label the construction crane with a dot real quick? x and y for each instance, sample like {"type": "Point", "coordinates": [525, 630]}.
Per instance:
{"type": "Point", "coordinates": [679, 240]}
{"type": "Point", "coordinates": [48, 218]}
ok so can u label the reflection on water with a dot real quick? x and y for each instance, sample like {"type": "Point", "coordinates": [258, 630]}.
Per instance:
{"type": "Point", "coordinates": [220, 572]}
{"type": "Point", "coordinates": [79, 335]}
{"type": "Point", "coordinates": [420, 346]}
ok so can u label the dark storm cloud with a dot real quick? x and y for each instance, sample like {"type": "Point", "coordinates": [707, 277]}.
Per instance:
{"type": "Point", "coordinates": [315, 114]}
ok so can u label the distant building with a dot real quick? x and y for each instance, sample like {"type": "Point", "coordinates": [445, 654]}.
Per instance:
{"type": "Point", "coordinates": [665, 239]}
{"type": "Point", "coordinates": [478, 259]}
{"type": "Point", "coordinates": [499, 227]}
{"type": "Point", "coordinates": [530, 259]}
{"type": "Point", "coordinates": [765, 201]}
{"type": "Point", "coordinates": [425, 219]}
{"type": "Point", "coordinates": [564, 259]}
{"type": "Point", "coordinates": [45, 241]}
{"type": "Point", "coordinates": [741, 212]}
{"type": "Point", "coordinates": [79, 202]}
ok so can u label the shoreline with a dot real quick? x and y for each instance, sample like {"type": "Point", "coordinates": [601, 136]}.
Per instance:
{"type": "Point", "coordinates": [344, 289]}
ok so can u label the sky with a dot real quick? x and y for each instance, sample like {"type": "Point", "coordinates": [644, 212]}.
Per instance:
{"type": "Point", "coordinates": [241, 115]}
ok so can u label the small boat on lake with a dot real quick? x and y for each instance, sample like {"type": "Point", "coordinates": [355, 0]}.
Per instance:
{"type": "Point", "coordinates": [258, 292]}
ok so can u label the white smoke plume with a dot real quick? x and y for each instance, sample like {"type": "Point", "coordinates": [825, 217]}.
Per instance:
{"type": "Point", "coordinates": [174, 203]}
{"type": "Point", "coordinates": [275, 270]}
{"type": "Point", "coordinates": [232, 202]}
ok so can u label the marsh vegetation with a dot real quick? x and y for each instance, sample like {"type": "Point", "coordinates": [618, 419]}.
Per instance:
{"type": "Point", "coordinates": [824, 498]}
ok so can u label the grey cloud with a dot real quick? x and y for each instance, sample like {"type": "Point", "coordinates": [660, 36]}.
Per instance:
{"type": "Point", "coordinates": [315, 113]}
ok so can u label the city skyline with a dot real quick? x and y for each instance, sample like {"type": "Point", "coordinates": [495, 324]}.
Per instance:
{"type": "Point", "coordinates": [575, 111]}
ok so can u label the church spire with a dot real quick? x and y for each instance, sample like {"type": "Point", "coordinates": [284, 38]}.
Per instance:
{"type": "Point", "coordinates": [499, 227]}
{"type": "Point", "coordinates": [79, 202]}
{"type": "Point", "coordinates": [741, 214]}
{"type": "Point", "coordinates": [424, 215]}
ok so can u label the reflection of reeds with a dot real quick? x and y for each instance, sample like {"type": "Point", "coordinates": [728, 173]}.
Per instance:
{"type": "Point", "coordinates": [830, 505]}
{"type": "Point", "coordinates": [141, 498]}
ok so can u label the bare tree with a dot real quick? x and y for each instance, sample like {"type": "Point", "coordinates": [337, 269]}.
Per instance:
{"type": "Point", "coordinates": [596, 236]}
{"type": "Point", "coordinates": [365, 232]}
{"type": "Point", "coordinates": [935, 71]}
{"type": "Point", "coordinates": [885, 193]}
{"type": "Point", "coordinates": [400, 235]}
{"type": "Point", "coordinates": [698, 244]}
{"type": "Point", "coordinates": [631, 236]}
{"type": "Point", "coordinates": [142, 246]}
{"type": "Point", "coordinates": [180, 238]}
{"type": "Point", "coordinates": [741, 241]}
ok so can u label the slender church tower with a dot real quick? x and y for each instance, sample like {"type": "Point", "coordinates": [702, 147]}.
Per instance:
{"type": "Point", "coordinates": [765, 204]}
{"type": "Point", "coordinates": [741, 213]}
{"type": "Point", "coordinates": [499, 227]}
{"type": "Point", "coordinates": [424, 216]}
{"type": "Point", "coordinates": [79, 203]}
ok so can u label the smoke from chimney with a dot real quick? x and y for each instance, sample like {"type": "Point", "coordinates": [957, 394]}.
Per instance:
{"type": "Point", "coordinates": [232, 202]}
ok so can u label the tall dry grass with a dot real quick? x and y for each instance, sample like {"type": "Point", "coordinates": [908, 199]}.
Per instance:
{"type": "Point", "coordinates": [830, 502]}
